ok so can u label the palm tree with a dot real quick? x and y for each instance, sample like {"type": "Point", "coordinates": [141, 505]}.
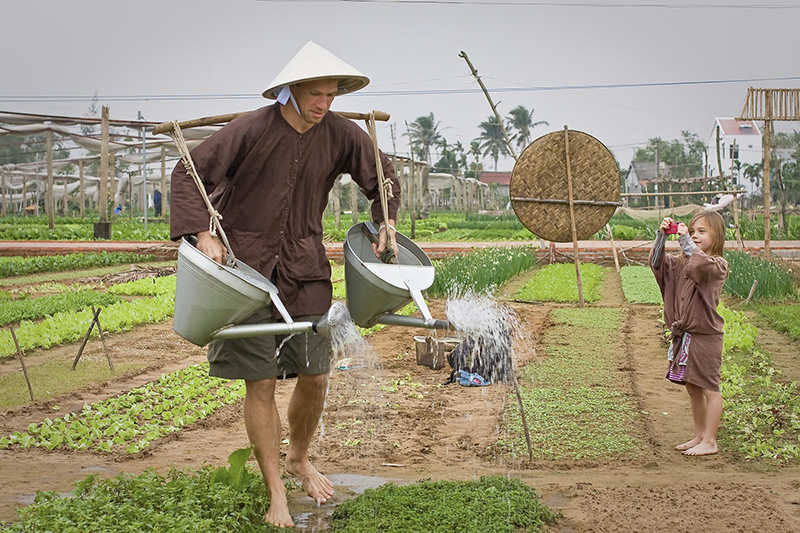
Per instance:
{"type": "Point", "coordinates": [424, 133]}
{"type": "Point", "coordinates": [492, 141]}
{"type": "Point", "coordinates": [521, 120]}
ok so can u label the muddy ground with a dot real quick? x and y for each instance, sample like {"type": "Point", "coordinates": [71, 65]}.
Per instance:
{"type": "Point", "coordinates": [372, 433]}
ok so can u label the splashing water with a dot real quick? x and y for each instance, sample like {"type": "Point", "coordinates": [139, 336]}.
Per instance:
{"type": "Point", "coordinates": [489, 329]}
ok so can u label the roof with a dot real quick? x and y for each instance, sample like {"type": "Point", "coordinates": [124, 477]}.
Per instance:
{"type": "Point", "coordinates": [646, 170]}
{"type": "Point", "coordinates": [732, 126]}
{"type": "Point", "coordinates": [500, 178]}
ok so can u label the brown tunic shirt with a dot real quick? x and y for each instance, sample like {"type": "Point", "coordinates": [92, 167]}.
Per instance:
{"type": "Point", "coordinates": [271, 184]}
{"type": "Point", "coordinates": [691, 291]}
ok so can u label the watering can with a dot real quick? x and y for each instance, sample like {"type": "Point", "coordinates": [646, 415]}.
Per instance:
{"type": "Point", "coordinates": [211, 299]}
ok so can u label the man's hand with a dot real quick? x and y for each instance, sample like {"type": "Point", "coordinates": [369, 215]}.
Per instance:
{"type": "Point", "coordinates": [211, 246]}
{"type": "Point", "coordinates": [386, 237]}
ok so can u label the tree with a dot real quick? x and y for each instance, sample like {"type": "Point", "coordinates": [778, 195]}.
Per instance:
{"type": "Point", "coordinates": [492, 141]}
{"type": "Point", "coordinates": [685, 156]}
{"type": "Point", "coordinates": [453, 160]}
{"type": "Point", "coordinates": [424, 133]}
{"type": "Point", "coordinates": [521, 120]}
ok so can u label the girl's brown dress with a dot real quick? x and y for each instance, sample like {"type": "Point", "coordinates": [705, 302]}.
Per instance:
{"type": "Point", "coordinates": [691, 291]}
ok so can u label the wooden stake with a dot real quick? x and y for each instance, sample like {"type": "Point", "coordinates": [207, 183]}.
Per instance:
{"type": "Point", "coordinates": [102, 204]}
{"type": "Point", "coordinates": [765, 180]}
{"type": "Point", "coordinates": [752, 290]}
{"type": "Point", "coordinates": [522, 414]}
{"type": "Point", "coordinates": [572, 219]}
{"type": "Point", "coordinates": [86, 338]}
{"type": "Point", "coordinates": [102, 336]}
{"type": "Point", "coordinates": [22, 362]}
{"type": "Point", "coordinates": [613, 248]}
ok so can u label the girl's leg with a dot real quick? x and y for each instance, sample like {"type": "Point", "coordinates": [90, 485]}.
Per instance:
{"type": "Point", "coordinates": [699, 414]}
{"type": "Point", "coordinates": [708, 445]}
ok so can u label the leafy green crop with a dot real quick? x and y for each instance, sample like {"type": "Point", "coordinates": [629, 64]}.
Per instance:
{"type": "Point", "coordinates": [71, 326]}
{"type": "Point", "coordinates": [184, 500]}
{"type": "Point", "coordinates": [35, 308]}
{"type": "Point", "coordinates": [21, 266]}
{"type": "Point", "coordinates": [146, 286]}
{"type": "Point", "coordinates": [493, 504]}
{"type": "Point", "coordinates": [558, 283]}
{"type": "Point", "coordinates": [136, 418]}
{"type": "Point", "coordinates": [639, 285]}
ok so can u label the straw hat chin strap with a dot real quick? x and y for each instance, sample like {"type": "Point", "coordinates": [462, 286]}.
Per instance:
{"type": "Point", "coordinates": [284, 95]}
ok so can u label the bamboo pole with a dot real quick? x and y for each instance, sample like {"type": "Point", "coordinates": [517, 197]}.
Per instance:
{"type": "Point", "coordinates": [613, 247]}
{"type": "Point", "coordinates": [474, 72]}
{"type": "Point", "coordinates": [684, 193]}
{"type": "Point", "coordinates": [102, 337]}
{"type": "Point", "coordinates": [739, 242]}
{"type": "Point", "coordinates": [85, 338]}
{"type": "Point", "coordinates": [48, 195]}
{"type": "Point", "coordinates": [767, 128]}
{"type": "Point", "coordinates": [82, 193]}
{"type": "Point", "coordinates": [103, 192]}
{"type": "Point", "coordinates": [22, 363]}
{"type": "Point", "coordinates": [572, 220]}
{"type": "Point", "coordinates": [163, 181]}
{"type": "Point", "coordinates": [167, 127]}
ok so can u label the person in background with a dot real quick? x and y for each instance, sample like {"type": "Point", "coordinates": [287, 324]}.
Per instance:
{"type": "Point", "coordinates": [157, 202]}
{"type": "Point", "coordinates": [690, 284]}
{"type": "Point", "coordinates": [270, 172]}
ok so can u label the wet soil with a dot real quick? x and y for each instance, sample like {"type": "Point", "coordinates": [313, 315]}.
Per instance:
{"type": "Point", "coordinates": [391, 419]}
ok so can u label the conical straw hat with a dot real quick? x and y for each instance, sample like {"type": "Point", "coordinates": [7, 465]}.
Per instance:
{"type": "Point", "coordinates": [313, 62]}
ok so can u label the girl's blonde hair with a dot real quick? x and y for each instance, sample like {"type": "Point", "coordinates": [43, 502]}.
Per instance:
{"type": "Point", "coordinates": [716, 225]}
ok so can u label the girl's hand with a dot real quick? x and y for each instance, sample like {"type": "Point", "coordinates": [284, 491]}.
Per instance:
{"type": "Point", "coordinates": [665, 224]}
{"type": "Point", "coordinates": [682, 229]}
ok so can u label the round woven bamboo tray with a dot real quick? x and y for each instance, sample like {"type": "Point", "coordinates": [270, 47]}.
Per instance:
{"type": "Point", "coordinates": [539, 186]}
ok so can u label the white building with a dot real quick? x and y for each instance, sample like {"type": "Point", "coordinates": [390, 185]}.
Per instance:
{"type": "Point", "coordinates": [747, 149]}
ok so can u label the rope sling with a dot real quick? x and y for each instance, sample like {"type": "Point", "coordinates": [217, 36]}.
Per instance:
{"type": "Point", "coordinates": [214, 225]}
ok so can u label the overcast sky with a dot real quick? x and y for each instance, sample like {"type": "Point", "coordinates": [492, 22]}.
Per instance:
{"type": "Point", "coordinates": [213, 57]}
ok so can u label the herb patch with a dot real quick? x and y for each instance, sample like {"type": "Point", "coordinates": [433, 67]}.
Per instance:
{"type": "Point", "coordinates": [192, 501]}
{"type": "Point", "coordinates": [21, 266]}
{"type": "Point", "coordinates": [35, 308]}
{"type": "Point", "coordinates": [558, 283]}
{"type": "Point", "coordinates": [774, 283]}
{"type": "Point", "coordinates": [783, 318]}
{"type": "Point", "coordinates": [492, 504]}
{"type": "Point", "coordinates": [480, 271]}
{"type": "Point", "coordinates": [573, 398]}
{"type": "Point", "coordinates": [639, 285]}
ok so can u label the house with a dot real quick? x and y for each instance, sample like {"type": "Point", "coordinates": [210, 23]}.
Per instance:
{"type": "Point", "coordinates": [642, 173]}
{"type": "Point", "coordinates": [747, 149]}
{"type": "Point", "coordinates": [502, 179]}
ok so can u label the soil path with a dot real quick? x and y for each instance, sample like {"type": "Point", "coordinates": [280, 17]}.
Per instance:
{"type": "Point", "coordinates": [394, 420]}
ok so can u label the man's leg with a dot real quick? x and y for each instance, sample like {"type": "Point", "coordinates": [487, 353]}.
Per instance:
{"type": "Point", "coordinates": [305, 408]}
{"type": "Point", "coordinates": [264, 431]}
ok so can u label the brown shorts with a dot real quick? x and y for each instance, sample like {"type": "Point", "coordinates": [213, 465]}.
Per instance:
{"type": "Point", "coordinates": [253, 358]}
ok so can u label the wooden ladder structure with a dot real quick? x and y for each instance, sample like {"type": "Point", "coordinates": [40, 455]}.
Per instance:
{"type": "Point", "coordinates": [769, 105]}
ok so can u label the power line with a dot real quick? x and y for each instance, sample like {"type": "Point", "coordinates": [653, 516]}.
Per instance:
{"type": "Point", "coordinates": [520, 3]}
{"type": "Point", "coordinates": [420, 92]}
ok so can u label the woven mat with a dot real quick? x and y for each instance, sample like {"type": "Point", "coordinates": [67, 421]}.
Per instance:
{"type": "Point", "coordinates": [541, 172]}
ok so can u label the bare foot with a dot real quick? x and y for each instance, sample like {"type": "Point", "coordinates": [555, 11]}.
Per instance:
{"type": "Point", "coordinates": [278, 512]}
{"type": "Point", "coordinates": [315, 484]}
{"type": "Point", "coordinates": [687, 445]}
{"type": "Point", "coordinates": [704, 448]}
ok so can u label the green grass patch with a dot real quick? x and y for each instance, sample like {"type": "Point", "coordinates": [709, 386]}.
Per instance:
{"type": "Point", "coordinates": [35, 308]}
{"type": "Point", "coordinates": [774, 282]}
{"type": "Point", "coordinates": [783, 318]}
{"type": "Point", "coordinates": [57, 377]}
{"type": "Point", "coordinates": [224, 500]}
{"type": "Point", "coordinates": [492, 504]}
{"type": "Point", "coordinates": [558, 283]}
{"type": "Point", "coordinates": [639, 285]}
{"type": "Point", "coordinates": [574, 402]}
{"type": "Point", "coordinates": [480, 271]}
{"type": "Point", "coordinates": [21, 266]}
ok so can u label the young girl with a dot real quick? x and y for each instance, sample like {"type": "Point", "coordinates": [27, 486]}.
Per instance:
{"type": "Point", "coordinates": [690, 286]}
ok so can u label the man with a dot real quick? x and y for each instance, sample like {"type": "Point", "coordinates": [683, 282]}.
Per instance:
{"type": "Point", "coordinates": [269, 173]}
{"type": "Point", "coordinates": [157, 202]}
